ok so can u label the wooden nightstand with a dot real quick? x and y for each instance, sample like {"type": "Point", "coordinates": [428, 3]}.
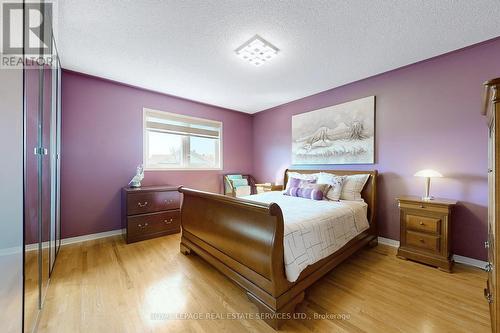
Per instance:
{"type": "Point", "coordinates": [266, 187]}
{"type": "Point", "coordinates": [150, 211]}
{"type": "Point", "coordinates": [425, 231]}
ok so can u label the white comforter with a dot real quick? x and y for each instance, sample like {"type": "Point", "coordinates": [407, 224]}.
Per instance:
{"type": "Point", "coordinates": [315, 229]}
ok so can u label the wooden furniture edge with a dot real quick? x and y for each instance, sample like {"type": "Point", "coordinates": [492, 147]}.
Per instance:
{"type": "Point", "coordinates": [491, 111]}
{"type": "Point", "coordinates": [491, 94]}
{"type": "Point", "coordinates": [153, 188]}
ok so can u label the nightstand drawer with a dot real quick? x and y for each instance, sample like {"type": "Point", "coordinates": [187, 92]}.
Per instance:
{"type": "Point", "coordinates": [140, 225]}
{"type": "Point", "coordinates": [425, 207]}
{"type": "Point", "coordinates": [423, 223]}
{"type": "Point", "coordinates": [422, 241]}
{"type": "Point", "coordinates": [150, 202]}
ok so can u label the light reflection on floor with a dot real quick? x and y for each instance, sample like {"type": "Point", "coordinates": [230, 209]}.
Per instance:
{"type": "Point", "coordinates": [165, 297]}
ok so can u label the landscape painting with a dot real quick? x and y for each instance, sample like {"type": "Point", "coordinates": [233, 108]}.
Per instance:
{"type": "Point", "coordinates": [339, 134]}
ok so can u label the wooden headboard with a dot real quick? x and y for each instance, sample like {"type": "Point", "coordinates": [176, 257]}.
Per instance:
{"type": "Point", "coordinates": [369, 193]}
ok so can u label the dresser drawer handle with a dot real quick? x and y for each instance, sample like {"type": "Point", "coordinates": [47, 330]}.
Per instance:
{"type": "Point", "coordinates": [168, 221]}
{"type": "Point", "coordinates": [142, 204]}
{"type": "Point", "coordinates": [143, 225]}
{"type": "Point", "coordinates": [488, 296]}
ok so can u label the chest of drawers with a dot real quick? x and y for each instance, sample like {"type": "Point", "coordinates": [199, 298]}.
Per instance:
{"type": "Point", "coordinates": [425, 231]}
{"type": "Point", "coordinates": [150, 212]}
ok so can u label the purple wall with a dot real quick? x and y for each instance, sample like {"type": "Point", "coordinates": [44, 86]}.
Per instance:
{"type": "Point", "coordinates": [427, 116]}
{"type": "Point", "coordinates": [102, 146]}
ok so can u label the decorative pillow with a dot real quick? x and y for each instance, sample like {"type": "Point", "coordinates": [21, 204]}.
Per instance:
{"type": "Point", "coordinates": [296, 175]}
{"type": "Point", "coordinates": [353, 185]}
{"type": "Point", "coordinates": [336, 183]}
{"type": "Point", "coordinates": [298, 182]}
{"type": "Point", "coordinates": [239, 182]}
{"type": "Point", "coordinates": [308, 190]}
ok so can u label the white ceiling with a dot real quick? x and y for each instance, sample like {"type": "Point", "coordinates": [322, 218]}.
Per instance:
{"type": "Point", "coordinates": [185, 47]}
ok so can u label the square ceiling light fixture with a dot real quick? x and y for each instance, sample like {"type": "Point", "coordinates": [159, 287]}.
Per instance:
{"type": "Point", "coordinates": [257, 51]}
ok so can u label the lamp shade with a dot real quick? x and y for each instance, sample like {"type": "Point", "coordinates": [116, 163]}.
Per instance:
{"type": "Point", "coordinates": [428, 173]}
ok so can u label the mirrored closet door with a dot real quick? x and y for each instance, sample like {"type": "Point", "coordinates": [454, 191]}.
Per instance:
{"type": "Point", "coordinates": [42, 112]}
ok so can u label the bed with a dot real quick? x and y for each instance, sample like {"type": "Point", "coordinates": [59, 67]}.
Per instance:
{"type": "Point", "coordinates": [245, 240]}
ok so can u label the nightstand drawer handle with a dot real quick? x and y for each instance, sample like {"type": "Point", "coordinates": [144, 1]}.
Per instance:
{"type": "Point", "coordinates": [488, 267]}
{"type": "Point", "coordinates": [168, 221]}
{"type": "Point", "coordinates": [422, 240]}
{"type": "Point", "coordinates": [422, 206]}
{"type": "Point", "coordinates": [143, 225]}
{"type": "Point", "coordinates": [422, 223]}
{"type": "Point", "coordinates": [142, 204]}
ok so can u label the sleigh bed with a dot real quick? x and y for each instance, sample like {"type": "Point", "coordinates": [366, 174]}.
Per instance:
{"type": "Point", "coordinates": [244, 240]}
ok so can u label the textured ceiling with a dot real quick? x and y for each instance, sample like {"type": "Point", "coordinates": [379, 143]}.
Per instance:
{"type": "Point", "coordinates": [185, 48]}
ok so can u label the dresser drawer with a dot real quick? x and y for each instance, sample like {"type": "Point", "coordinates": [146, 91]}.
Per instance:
{"type": "Point", "coordinates": [141, 225]}
{"type": "Point", "coordinates": [424, 207]}
{"type": "Point", "coordinates": [423, 223]}
{"type": "Point", "coordinates": [149, 202]}
{"type": "Point", "coordinates": [422, 241]}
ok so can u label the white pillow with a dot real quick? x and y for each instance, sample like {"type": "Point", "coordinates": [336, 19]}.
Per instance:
{"type": "Point", "coordinates": [336, 183]}
{"type": "Point", "coordinates": [307, 176]}
{"type": "Point", "coordinates": [353, 185]}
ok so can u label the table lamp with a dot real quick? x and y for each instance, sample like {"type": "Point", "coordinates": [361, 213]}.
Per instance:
{"type": "Point", "coordinates": [428, 174]}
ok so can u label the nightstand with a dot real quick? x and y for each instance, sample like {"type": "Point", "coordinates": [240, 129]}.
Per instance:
{"type": "Point", "coordinates": [150, 211]}
{"type": "Point", "coordinates": [425, 231]}
{"type": "Point", "coordinates": [266, 187]}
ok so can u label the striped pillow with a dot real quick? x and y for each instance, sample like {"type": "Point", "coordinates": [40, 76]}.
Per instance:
{"type": "Point", "coordinates": [307, 189]}
{"type": "Point", "coordinates": [353, 185]}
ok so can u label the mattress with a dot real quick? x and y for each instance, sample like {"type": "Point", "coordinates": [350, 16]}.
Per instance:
{"type": "Point", "coordinates": [315, 229]}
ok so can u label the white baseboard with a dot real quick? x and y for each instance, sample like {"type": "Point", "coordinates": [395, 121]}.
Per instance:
{"type": "Point", "coordinates": [78, 239]}
{"type": "Point", "coordinates": [456, 258]}
{"type": "Point", "coordinates": [388, 241]}
{"type": "Point", "coordinates": [469, 261]}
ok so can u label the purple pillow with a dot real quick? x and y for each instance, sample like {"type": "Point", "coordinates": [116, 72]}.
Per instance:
{"type": "Point", "coordinates": [306, 189]}
{"type": "Point", "coordinates": [297, 182]}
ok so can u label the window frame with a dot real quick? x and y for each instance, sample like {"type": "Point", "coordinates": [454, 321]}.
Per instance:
{"type": "Point", "coordinates": [162, 114]}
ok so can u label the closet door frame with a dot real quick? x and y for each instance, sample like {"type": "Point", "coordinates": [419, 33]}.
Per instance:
{"type": "Point", "coordinates": [55, 156]}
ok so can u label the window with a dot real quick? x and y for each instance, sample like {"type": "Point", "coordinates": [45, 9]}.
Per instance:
{"type": "Point", "coordinates": [173, 141]}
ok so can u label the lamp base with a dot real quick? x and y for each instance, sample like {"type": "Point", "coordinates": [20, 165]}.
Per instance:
{"type": "Point", "coordinates": [427, 198]}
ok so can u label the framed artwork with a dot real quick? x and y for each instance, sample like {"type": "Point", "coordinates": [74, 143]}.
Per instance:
{"type": "Point", "coordinates": [339, 134]}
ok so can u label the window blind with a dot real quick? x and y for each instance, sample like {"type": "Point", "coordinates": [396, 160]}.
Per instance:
{"type": "Point", "coordinates": [182, 125]}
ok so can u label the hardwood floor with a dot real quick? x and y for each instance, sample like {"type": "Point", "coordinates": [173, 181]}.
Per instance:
{"type": "Point", "coordinates": [108, 286]}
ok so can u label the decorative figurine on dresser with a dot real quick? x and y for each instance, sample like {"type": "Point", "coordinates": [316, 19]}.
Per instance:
{"type": "Point", "coordinates": [139, 176]}
{"type": "Point", "coordinates": [425, 231]}
{"type": "Point", "coordinates": [150, 211]}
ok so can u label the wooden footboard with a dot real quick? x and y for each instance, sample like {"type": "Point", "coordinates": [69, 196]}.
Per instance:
{"type": "Point", "coordinates": [244, 240]}
{"type": "Point", "coordinates": [237, 235]}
